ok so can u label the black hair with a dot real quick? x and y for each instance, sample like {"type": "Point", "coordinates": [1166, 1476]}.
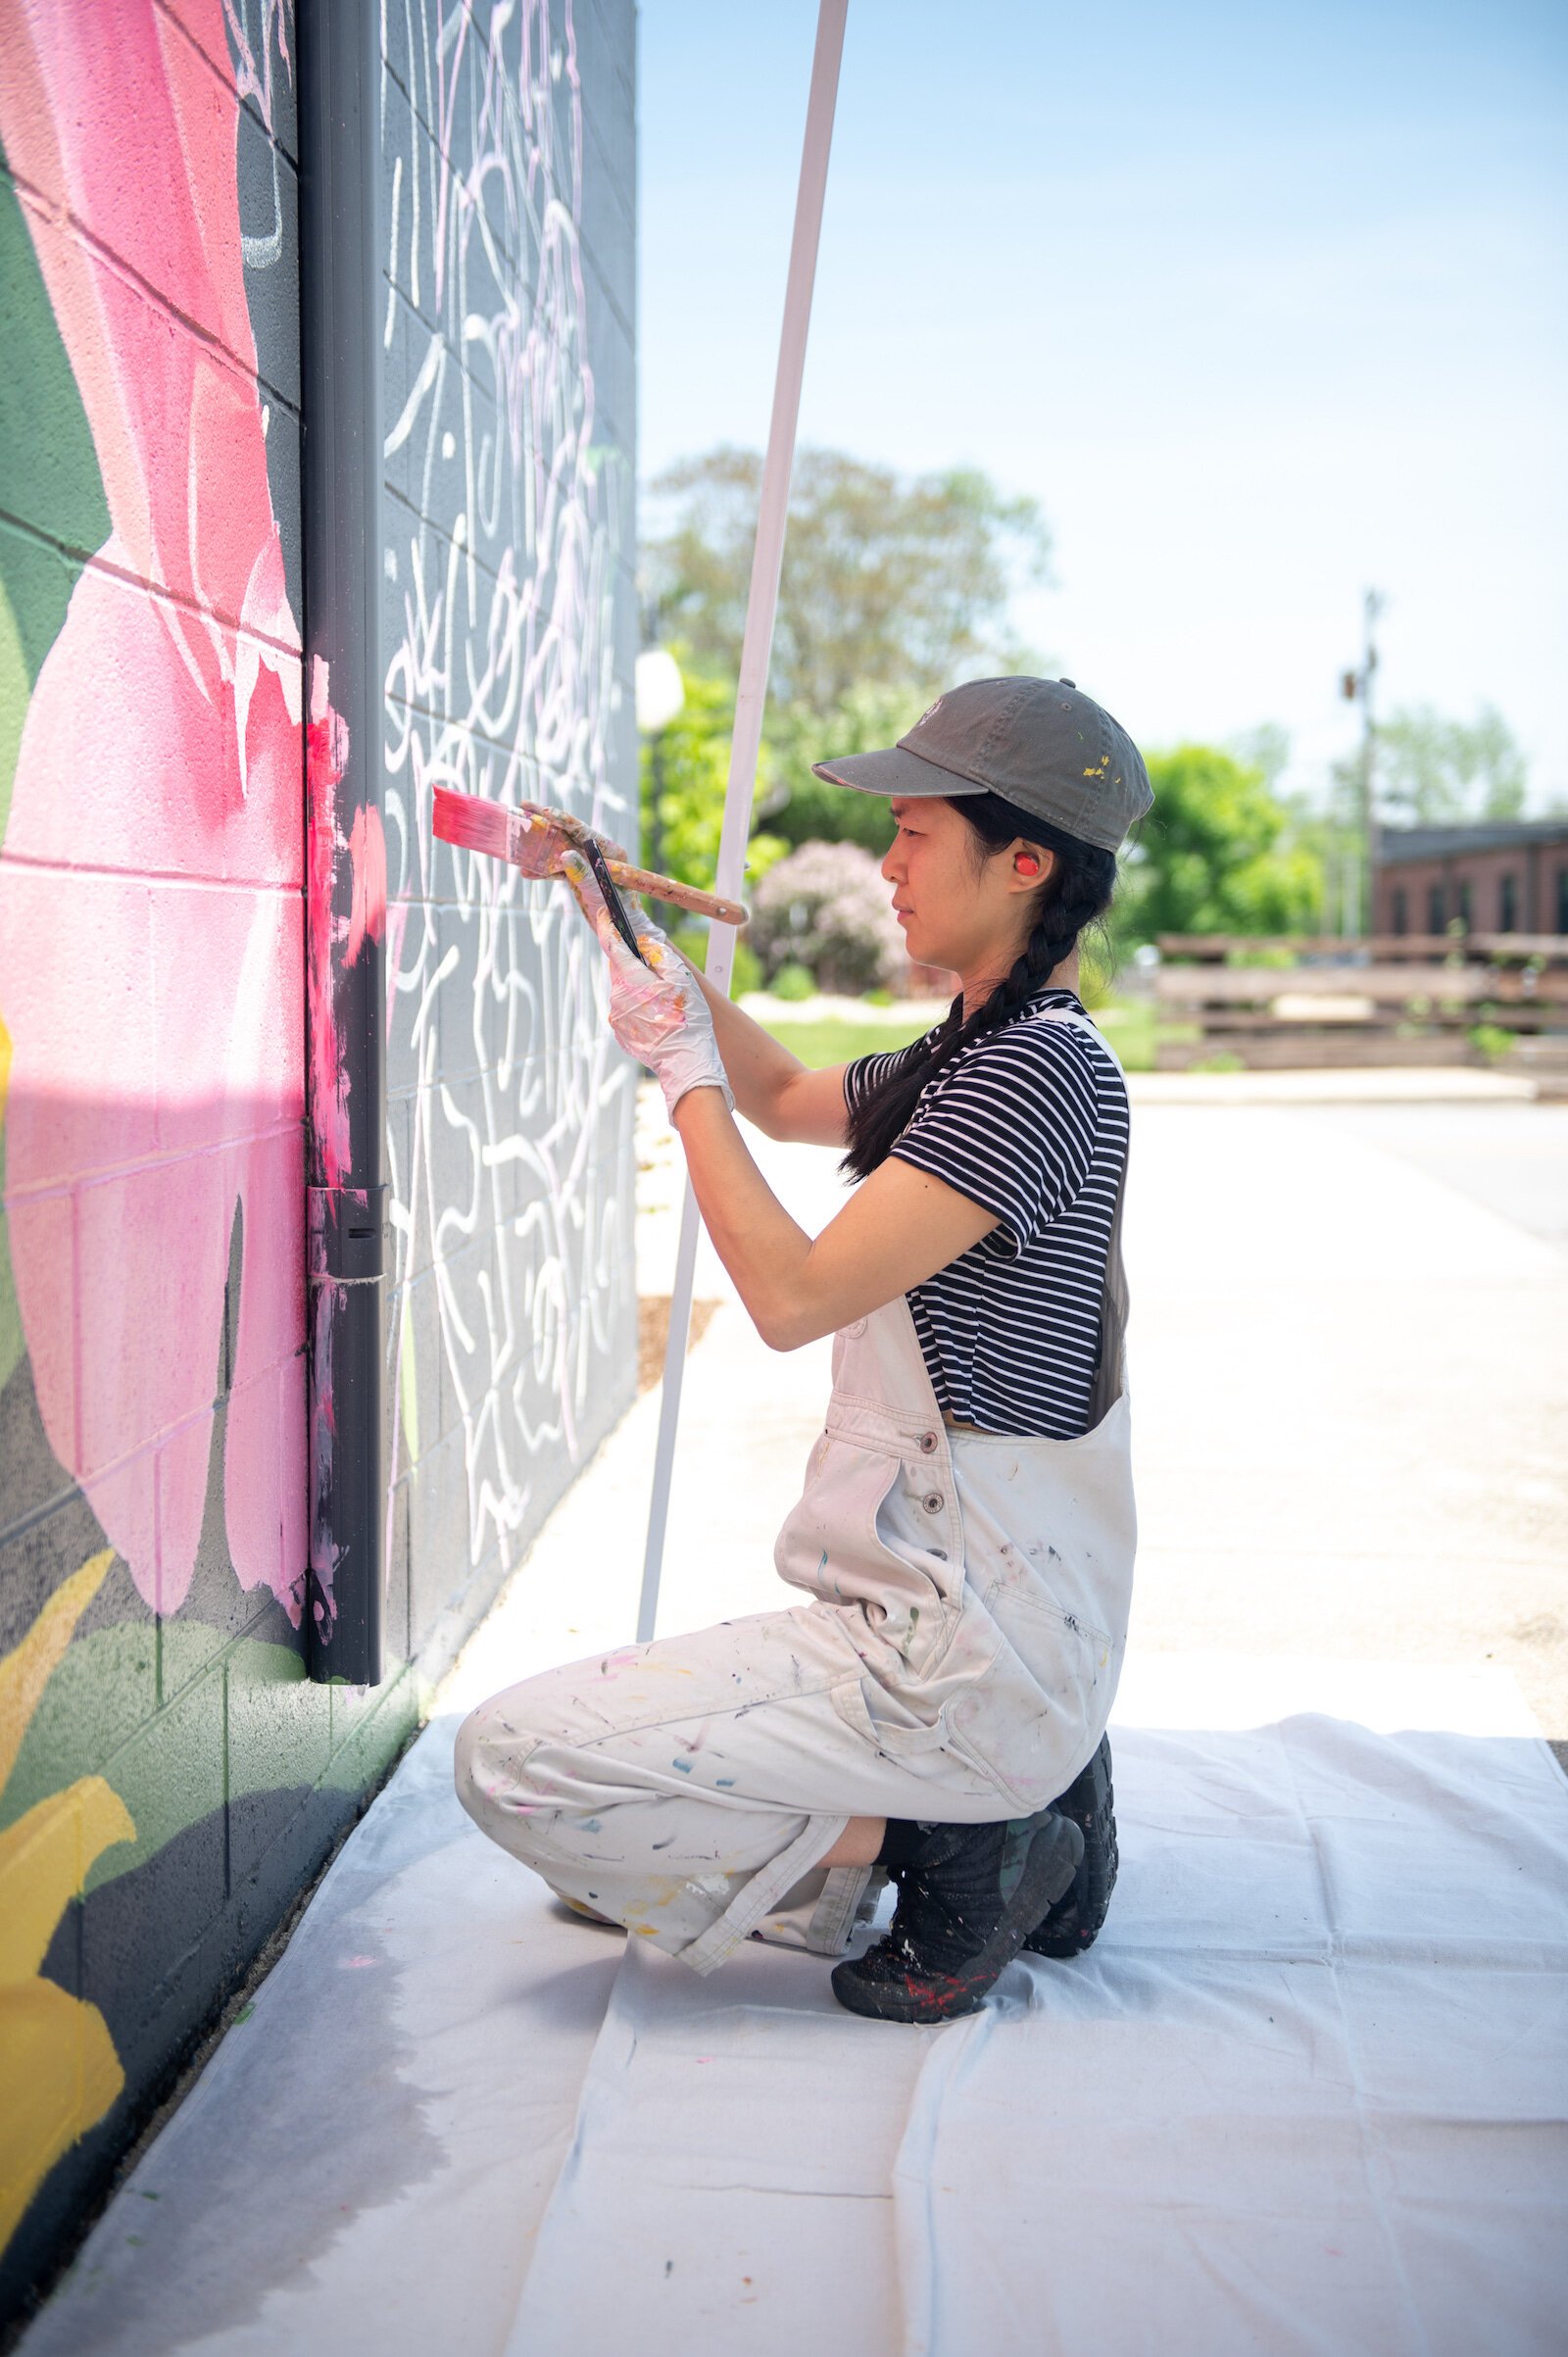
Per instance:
{"type": "Point", "coordinates": [1076, 894]}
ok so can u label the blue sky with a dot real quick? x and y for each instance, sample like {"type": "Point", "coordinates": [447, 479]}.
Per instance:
{"type": "Point", "coordinates": [1263, 303]}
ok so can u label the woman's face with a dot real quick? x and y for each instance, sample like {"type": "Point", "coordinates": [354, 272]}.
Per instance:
{"type": "Point", "coordinates": [954, 908]}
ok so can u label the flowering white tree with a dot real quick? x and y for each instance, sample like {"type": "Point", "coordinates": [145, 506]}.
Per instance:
{"type": "Point", "coordinates": [826, 907]}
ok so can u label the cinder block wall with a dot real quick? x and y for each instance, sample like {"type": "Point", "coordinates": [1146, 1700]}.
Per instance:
{"type": "Point", "coordinates": [168, 1779]}
{"type": "Point", "coordinates": [508, 624]}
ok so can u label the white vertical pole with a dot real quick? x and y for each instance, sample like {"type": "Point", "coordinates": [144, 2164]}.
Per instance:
{"type": "Point", "coordinates": [756, 646]}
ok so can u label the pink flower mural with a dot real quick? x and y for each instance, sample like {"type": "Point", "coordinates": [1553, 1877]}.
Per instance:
{"type": "Point", "coordinates": [151, 919]}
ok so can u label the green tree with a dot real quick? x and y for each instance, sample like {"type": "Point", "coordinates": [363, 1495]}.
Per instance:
{"type": "Point", "coordinates": [1434, 771]}
{"type": "Point", "coordinates": [804, 808]}
{"type": "Point", "coordinates": [1266, 748]}
{"type": "Point", "coordinates": [685, 770]}
{"type": "Point", "coordinates": [1218, 853]}
{"type": "Point", "coordinates": [894, 586]}
{"type": "Point", "coordinates": [891, 581]}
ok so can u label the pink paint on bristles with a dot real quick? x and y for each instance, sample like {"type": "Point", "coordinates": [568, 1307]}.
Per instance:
{"type": "Point", "coordinates": [535, 840]}
{"type": "Point", "coordinates": [469, 823]}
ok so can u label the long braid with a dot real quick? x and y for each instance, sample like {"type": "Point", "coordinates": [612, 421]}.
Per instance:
{"type": "Point", "coordinates": [1066, 913]}
{"type": "Point", "coordinates": [1079, 892]}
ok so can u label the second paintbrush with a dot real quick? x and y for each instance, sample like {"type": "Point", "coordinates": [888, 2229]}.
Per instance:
{"type": "Point", "coordinates": [534, 838]}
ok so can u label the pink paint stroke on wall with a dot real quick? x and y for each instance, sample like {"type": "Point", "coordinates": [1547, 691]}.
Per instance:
{"type": "Point", "coordinates": [151, 925]}
{"type": "Point", "coordinates": [368, 860]}
{"type": "Point", "coordinates": [327, 757]}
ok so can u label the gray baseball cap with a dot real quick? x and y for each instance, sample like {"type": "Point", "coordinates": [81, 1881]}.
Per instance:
{"type": "Point", "coordinates": [1041, 743]}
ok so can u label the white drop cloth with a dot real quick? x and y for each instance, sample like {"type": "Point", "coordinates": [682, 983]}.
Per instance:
{"type": "Point", "coordinates": [1306, 2094]}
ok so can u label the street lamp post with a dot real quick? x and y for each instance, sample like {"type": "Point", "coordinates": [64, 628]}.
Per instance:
{"type": "Point", "coordinates": [660, 694]}
{"type": "Point", "coordinates": [1356, 687]}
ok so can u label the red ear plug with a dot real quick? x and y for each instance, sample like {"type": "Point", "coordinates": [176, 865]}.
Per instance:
{"type": "Point", "coordinates": [1026, 864]}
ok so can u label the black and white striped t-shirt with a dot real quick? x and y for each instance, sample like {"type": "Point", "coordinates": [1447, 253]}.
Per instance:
{"type": "Point", "coordinates": [1031, 1122]}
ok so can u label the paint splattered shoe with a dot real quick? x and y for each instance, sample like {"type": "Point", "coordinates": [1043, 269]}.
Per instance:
{"type": "Point", "coordinates": [968, 1897]}
{"type": "Point", "coordinates": [1074, 1922]}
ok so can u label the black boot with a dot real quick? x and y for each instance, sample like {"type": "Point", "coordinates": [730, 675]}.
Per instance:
{"type": "Point", "coordinates": [968, 1897]}
{"type": "Point", "coordinates": [1074, 1920]}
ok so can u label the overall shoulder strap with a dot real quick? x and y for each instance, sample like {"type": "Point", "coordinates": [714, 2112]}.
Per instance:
{"type": "Point", "coordinates": [1110, 1367]}
{"type": "Point", "coordinates": [1079, 1022]}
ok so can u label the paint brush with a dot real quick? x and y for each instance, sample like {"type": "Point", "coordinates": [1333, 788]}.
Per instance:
{"type": "Point", "coordinates": [532, 839]}
{"type": "Point", "coordinates": [612, 901]}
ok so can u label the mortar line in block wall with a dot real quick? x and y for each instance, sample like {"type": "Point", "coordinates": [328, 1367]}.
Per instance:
{"type": "Point", "coordinates": [430, 326]}
{"type": "Point", "coordinates": [170, 1697]}
{"type": "Point", "coordinates": [429, 528]}
{"type": "Point", "coordinates": [525, 765]}
{"type": "Point", "coordinates": [513, 252]}
{"type": "Point", "coordinates": [283, 888]}
{"type": "Point", "coordinates": [585, 248]}
{"type": "Point", "coordinates": [109, 1174]}
{"type": "Point", "coordinates": [227, 81]}
{"type": "Point", "coordinates": [159, 591]}
{"type": "Point", "coordinates": [113, 1467]}
{"type": "Point", "coordinates": [167, 1698]}
{"type": "Point", "coordinates": [35, 201]}
{"type": "Point", "coordinates": [39, 1512]}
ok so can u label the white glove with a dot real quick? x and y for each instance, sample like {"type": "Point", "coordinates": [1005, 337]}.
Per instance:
{"type": "Point", "coordinates": [656, 1011]}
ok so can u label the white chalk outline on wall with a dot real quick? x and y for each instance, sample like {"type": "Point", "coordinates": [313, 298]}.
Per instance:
{"type": "Point", "coordinates": [500, 681]}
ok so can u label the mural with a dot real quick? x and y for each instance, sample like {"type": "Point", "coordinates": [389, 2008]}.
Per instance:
{"type": "Point", "coordinates": [507, 527]}
{"type": "Point", "coordinates": [168, 1776]}
{"type": "Point", "coordinates": [62, 2070]}
{"type": "Point", "coordinates": [174, 687]}
{"type": "Point", "coordinates": [151, 1375]}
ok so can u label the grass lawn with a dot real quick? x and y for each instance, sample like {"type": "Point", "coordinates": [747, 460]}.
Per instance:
{"type": "Point", "coordinates": [1129, 1026]}
{"type": "Point", "coordinates": [838, 1042]}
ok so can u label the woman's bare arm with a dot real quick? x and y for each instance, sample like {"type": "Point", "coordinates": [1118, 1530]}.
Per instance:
{"type": "Point", "coordinates": [785, 1097]}
{"type": "Point", "coordinates": [898, 1228]}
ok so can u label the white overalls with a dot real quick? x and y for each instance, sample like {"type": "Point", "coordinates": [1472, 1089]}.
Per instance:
{"type": "Point", "coordinates": [957, 1664]}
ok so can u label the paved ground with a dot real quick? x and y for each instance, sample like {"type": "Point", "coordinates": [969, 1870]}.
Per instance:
{"type": "Point", "coordinates": [1512, 1158]}
{"type": "Point", "coordinates": [1351, 1365]}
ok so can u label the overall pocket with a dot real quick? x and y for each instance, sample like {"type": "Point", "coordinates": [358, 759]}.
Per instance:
{"type": "Point", "coordinates": [919, 1724]}
{"type": "Point", "coordinates": [1034, 1722]}
{"type": "Point", "coordinates": [858, 1538]}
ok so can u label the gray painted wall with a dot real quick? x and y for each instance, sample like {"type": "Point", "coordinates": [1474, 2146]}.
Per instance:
{"type": "Point", "coordinates": [508, 626]}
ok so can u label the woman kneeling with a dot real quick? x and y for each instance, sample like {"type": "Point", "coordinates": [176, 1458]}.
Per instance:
{"type": "Point", "coordinates": [936, 1710]}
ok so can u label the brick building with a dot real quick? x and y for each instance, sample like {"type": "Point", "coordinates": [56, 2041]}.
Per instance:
{"type": "Point", "coordinates": [1500, 876]}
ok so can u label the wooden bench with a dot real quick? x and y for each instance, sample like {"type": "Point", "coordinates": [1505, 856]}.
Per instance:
{"type": "Point", "coordinates": [1395, 998]}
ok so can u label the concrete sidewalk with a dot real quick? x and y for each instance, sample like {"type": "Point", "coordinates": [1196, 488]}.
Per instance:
{"type": "Point", "coordinates": [1350, 1381]}
{"type": "Point", "coordinates": [1350, 1328]}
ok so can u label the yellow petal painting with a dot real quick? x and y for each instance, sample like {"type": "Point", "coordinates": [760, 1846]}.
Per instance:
{"type": "Point", "coordinates": [59, 2072]}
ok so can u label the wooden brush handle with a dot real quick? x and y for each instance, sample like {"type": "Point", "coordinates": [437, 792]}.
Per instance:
{"type": "Point", "coordinates": [569, 830]}
{"type": "Point", "coordinates": [684, 896]}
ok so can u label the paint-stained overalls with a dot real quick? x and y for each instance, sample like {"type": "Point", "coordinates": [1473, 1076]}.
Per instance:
{"type": "Point", "coordinates": [957, 1664]}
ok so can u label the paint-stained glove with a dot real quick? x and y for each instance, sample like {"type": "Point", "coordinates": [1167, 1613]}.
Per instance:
{"type": "Point", "coordinates": [656, 1011]}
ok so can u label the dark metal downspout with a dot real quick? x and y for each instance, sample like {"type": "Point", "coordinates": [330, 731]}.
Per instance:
{"type": "Point", "coordinates": [340, 277]}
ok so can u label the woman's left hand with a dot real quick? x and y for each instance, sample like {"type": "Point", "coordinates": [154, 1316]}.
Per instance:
{"type": "Point", "coordinates": [656, 1011]}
